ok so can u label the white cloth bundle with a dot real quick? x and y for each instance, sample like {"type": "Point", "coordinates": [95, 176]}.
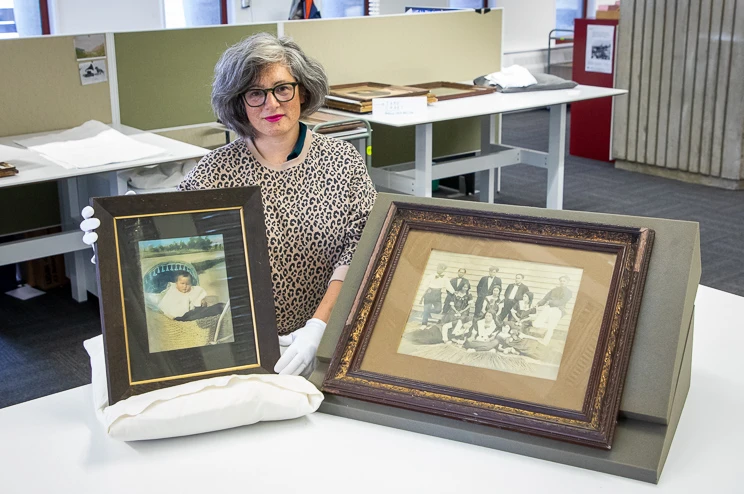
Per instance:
{"type": "Point", "coordinates": [157, 177]}
{"type": "Point", "coordinates": [513, 76]}
{"type": "Point", "coordinates": [199, 406]}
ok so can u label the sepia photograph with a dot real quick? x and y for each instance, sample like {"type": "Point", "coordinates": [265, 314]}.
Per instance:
{"type": "Point", "coordinates": [500, 314]}
{"type": "Point", "coordinates": [187, 300]}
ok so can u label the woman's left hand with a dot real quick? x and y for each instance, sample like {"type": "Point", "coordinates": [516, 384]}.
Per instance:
{"type": "Point", "coordinates": [299, 357]}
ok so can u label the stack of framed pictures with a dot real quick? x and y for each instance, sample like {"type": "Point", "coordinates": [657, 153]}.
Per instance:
{"type": "Point", "coordinates": [358, 97]}
{"type": "Point", "coordinates": [513, 328]}
{"type": "Point", "coordinates": [332, 123]}
{"type": "Point", "coordinates": [184, 288]}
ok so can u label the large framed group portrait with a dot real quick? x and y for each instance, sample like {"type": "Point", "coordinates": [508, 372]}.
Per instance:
{"type": "Point", "coordinates": [516, 322]}
{"type": "Point", "coordinates": [184, 287]}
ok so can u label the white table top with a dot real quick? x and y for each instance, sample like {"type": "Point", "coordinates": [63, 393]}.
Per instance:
{"type": "Point", "coordinates": [489, 104]}
{"type": "Point", "coordinates": [55, 444]}
{"type": "Point", "coordinates": [39, 169]}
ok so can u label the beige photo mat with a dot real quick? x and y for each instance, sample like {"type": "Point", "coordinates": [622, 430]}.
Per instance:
{"type": "Point", "coordinates": [567, 391]}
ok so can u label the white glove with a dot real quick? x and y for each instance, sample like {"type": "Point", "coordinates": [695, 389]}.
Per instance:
{"type": "Point", "coordinates": [90, 223]}
{"type": "Point", "coordinates": [299, 356]}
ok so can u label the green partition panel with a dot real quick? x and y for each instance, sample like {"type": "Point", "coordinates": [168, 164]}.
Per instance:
{"type": "Point", "coordinates": [165, 77]}
{"type": "Point", "coordinates": [40, 88]}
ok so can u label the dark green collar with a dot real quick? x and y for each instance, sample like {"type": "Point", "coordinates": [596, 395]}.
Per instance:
{"type": "Point", "coordinates": [299, 144]}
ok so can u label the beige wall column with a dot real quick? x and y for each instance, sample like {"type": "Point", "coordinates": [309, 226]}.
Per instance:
{"type": "Point", "coordinates": [683, 63]}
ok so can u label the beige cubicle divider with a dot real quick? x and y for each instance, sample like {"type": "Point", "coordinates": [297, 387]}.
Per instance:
{"type": "Point", "coordinates": [403, 49]}
{"type": "Point", "coordinates": [41, 88]}
{"type": "Point", "coordinates": [406, 49]}
{"type": "Point", "coordinates": [165, 76]}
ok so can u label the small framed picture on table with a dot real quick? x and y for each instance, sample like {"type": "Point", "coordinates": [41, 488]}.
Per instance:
{"type": "Point", "coordinates": [184, 288]}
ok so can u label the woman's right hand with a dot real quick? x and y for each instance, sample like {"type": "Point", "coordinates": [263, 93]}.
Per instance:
{"type": "Point", "coordinates": [88, 225]}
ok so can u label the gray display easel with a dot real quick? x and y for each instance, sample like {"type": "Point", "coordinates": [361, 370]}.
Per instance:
{"type": "Point", "coordinates": [658, 375]}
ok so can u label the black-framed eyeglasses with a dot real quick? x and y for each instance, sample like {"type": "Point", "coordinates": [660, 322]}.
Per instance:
{"type": "Point", "coordinates": [282, 93]}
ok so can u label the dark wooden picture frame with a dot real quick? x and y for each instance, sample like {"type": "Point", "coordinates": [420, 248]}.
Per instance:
{"type": "Point", "coordinates": [333, 123]}
{"type": "Point", "coordinates": [358, 370]}
{"type": "Point", "coordinates": [347, 91]}
{"type": "Point", "coordinates": [155, 247]}
{"type": "Point", "coordinates": [465, 90]}
{"type": "Point", "coordinates": [357, 97]}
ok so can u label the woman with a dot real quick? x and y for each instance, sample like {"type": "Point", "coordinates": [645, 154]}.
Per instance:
{"type": "Point", "coordinates": [316, 192]}
{"type": "Point", "coordinates": [454, 331]}
{"type": "Point", "coordinates": [483, 337]}
{"type": "Point", "coordinates": [523, 312]}
{"type": "Point", "coordinates": [493, 303]}
{"type": "Point", "coordinates": [459, 307]}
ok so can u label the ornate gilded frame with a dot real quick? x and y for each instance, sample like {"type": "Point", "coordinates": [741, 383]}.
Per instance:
{"type": "Point", "coordinates": [594, 424]}
{"type": "Point", "coordinates": [132, 366]}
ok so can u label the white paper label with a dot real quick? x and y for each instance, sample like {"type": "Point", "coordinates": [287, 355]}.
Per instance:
{"type": "Point", "coordinates": [600, 41]}
{"type": "Point", "coordinates": [412, 105]}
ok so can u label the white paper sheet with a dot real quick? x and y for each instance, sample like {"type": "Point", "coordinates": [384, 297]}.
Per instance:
{"type": "Point", "coordinates": [13, 155]}
{"type": "Point", "coordinates": [600, 41]}
{"type": "Point", "coordinates": [91, 144]}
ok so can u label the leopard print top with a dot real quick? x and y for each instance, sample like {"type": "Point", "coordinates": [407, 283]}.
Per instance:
{"type": "Point", "coordinates": [315, 207]}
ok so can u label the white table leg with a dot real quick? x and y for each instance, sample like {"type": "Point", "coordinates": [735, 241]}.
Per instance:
{"type": "Point", "coordinates": [484, 180]}
{"type": "Point", "coordinates": [70, 206]}
{"type": "Point", "coordinates": [484, 184]}
{"type": "Point", "coordinates": [556, 156]}
{"type": "Point", "coordinates": [422, 187]}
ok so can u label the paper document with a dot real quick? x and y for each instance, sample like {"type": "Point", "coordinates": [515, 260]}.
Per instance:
{"type": "Point", "coordinates": [91, 144]}
{"type": "Point", "coordinates": [410, 105]}
{"type": "Point", "coordinates": [15, 155]}
{"type": "Point", "coordinates": [600, 40]}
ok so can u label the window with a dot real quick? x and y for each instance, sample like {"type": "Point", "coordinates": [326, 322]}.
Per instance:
{"type": "Point", "coordinates": [7, 21]}
{"type": "Point", "coordinates": [466, 4]}
{"type": "Point", "coordinates": [566, 11]}
{"type": "Point", "coordinates": [342, 8]}
{"type": "Point", "coordinates": [21, 18]}
{"type": "Point", "coordinates": [189, 13]}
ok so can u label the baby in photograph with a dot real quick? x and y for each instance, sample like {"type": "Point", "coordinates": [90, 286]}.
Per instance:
{"type": "Point", "coordinates": [183, 301]}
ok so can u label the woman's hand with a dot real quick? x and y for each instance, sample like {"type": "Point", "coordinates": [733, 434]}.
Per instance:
{"type": "Point", "coordinates": [299, 357]}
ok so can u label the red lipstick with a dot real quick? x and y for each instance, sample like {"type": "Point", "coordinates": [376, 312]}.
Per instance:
{"type": "Point", "coordinates": [274, 118]}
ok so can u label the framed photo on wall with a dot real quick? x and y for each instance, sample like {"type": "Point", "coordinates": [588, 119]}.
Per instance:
{"type": "Point", "coordinates": [184, 288]}
{"type": "Point", "coordinates": [516, 322]}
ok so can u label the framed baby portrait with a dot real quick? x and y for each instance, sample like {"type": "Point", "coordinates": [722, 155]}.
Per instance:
{"type": "Point", "coordinates": [184, 288]}
{"type": "Point", "coordinates": [515, 322]}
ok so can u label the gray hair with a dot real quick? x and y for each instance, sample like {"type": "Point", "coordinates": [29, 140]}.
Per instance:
{"type": "Point", "coordinates": [240, 67]}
